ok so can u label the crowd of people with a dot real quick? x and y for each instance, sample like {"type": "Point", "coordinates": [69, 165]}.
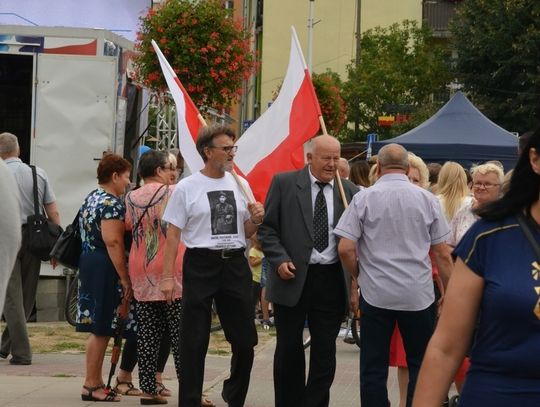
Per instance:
{"type": "Point", "coordinates": [431, 256]}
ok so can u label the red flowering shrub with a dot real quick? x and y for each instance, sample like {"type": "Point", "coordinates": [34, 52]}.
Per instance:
{"type": "Point", "coordinates": [208, 50]}
{"type": "Point", "coordinates": [334, 110]}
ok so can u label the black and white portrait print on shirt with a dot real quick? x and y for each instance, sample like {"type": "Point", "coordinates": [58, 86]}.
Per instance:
{"type": "Point", "coordinates": [223, 212]}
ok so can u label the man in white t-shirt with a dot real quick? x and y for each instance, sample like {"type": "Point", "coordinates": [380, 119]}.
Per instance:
{"type": "Point", "coordinates": [210, 212]}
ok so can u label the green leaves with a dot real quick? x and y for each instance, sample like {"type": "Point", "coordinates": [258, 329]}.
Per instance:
{"type": "Point", "coordinates": [497, 44]}
{"type": "Point", "coordinates": [400, 69]}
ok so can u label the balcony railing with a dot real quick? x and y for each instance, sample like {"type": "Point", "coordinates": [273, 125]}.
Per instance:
{"type": "Point", "coordinates": [437, 14]}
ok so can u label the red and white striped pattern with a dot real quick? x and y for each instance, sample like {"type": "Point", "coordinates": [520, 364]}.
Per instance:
{"type": "Point", "coordinates": [274, 143]}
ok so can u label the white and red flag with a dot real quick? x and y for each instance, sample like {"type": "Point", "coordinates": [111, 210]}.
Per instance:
{"type": "Point", "coordinates": [274, 143]}
{"type": "Point", "coordinates": [187, 113]}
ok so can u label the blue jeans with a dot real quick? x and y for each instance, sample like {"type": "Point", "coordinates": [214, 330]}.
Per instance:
{"type": "Point", "coordinates": [416, 328]}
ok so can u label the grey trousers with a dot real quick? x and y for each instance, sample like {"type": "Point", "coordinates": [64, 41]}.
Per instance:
{"type": "Point", "coordinates": [20, 300]}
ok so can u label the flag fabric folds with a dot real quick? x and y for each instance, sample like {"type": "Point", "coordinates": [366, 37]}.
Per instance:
{"type": "Point", "coordinates": [187, 114]}
{"type": "Point", "coordinates": [274, 143]}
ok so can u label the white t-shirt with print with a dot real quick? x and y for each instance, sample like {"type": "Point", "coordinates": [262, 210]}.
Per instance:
{"type": "Point", "coordinates": [210, 211]}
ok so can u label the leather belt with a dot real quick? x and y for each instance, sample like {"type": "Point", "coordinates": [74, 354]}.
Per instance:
{"type": "Point", "coordinates": [218, 253]}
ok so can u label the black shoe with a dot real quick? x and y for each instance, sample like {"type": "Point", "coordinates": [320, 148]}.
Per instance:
{"type": "Point", "coordinates": [3, 355]}
{"type": "Point", "coordinates": [20, 362]}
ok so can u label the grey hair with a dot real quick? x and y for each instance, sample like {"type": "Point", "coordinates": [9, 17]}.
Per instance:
{"type": "Point", "coordinates": [9, 145]}
{"type": "Point", "coordinates": [208, 133]}
{"type": "Point", "coordinates": [487, 168]}
{"type": "Point", "coordinates": [393, 156]}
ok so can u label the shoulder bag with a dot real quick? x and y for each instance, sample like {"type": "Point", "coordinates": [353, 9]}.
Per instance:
{"type": "Point", "coordinates": [41, 233]}
{"type": "Point", "coordinates": [68, 247]}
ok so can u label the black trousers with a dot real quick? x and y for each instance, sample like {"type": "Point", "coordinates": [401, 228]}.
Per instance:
{"type": "Point", "coordinates": [322, 305]}
{"type": "Point", "coordinates": [416, 328]}
{"type": "Point", "coordinates": [206, 277]}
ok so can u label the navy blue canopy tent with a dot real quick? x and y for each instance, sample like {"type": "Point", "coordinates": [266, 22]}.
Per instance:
{"type": "Point", "coordinates": [459, 132]}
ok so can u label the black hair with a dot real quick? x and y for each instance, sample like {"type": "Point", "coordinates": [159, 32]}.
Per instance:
{"type": "Point", "coordinates": [524, 186]}
{"type": "Point", "coordinates": [207, 134]}
{"type": "Point", "coordinates": [151, 161]}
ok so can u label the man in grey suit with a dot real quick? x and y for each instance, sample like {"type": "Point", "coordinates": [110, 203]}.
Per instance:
{"type": "Point", "coordinates": [306, 281]}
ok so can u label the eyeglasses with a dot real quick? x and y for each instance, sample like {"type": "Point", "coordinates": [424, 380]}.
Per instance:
{"type": "Point", "coordinates": [227, 149]}
{"type": "Point", "coordinates": [485, 185]}
{"type": "Point", "coordinates": [169, 167]}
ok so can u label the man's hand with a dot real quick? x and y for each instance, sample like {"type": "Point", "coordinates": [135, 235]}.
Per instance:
{"type": "Point", "coordinates": [166, 285]}
{"type": "Point", "coordinates": [286, 270]}
{"type": "Point", "coordinates": [256, 210]}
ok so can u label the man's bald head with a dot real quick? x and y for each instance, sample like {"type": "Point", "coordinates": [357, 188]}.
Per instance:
{"type": "Point", "coordinates": [393, 157]}
{"type": "Point", "coordinates": [323, 157]}
{"type": "Point", "coordinates": [324, 142]}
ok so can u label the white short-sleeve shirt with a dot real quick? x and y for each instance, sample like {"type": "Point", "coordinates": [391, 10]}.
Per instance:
{"type": "Point", "coordinates": [394, 223]}
{"type": "Point", "coordinates": [210, 211]}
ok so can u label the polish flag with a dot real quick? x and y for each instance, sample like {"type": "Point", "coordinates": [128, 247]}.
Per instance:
{"type": "Point", "coordinates": [274, 143]}
{"type": "Point", "coordinates": [189, 121]}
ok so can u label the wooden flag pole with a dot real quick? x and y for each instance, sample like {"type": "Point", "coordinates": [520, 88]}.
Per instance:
{"type": "Point", "coordinates": [248, 196]}
{"type": "Point", "coordinates": [338, 178]}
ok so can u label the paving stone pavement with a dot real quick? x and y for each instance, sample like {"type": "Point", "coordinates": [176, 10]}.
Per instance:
{"type": "Point", "coordinates": [55, 380]}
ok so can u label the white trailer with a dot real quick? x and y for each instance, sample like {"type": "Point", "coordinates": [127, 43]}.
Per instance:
{"type": "Point", "coordinates": [63, 93]}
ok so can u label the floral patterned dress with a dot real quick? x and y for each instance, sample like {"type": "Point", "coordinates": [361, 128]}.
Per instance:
{"type": "Point", "coordinates": [99, 293]}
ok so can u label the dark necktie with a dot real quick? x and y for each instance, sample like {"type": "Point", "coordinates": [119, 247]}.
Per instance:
{"type": "Point", "coordinates": [320, 220]}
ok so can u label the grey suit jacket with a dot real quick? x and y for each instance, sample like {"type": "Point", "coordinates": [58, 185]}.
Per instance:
{"type": "Point", "coordinates": [287, 231]}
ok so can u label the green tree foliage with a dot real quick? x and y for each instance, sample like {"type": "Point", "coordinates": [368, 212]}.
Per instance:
{"type": "Point", "coordinates": [400, 70]}
{"type": "Point", "coordinates": [209, 51]}
{"type": "Point", "coordinates": [498, 50]}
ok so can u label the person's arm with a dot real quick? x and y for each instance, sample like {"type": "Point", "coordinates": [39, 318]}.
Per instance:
{"type": "Point", "coordinates": [254, 261]}
{"type": "Point", "coordinates": [269, 233]}
{"type": "Point", "coordinates": [443, 258]}
{"type": "Point", "coordinates": [349, 261]}
{"type": "Point", "coordinates": [112, 232]}
{"type": "Point", "coordinates": [51, 209]}
{"type": "Point", "coordinates": [451, 339]}
{"type": "Point", "coordinates": [347, 255]}
{"type": "Point", "coordinates": [169, 259]}
{"type": "Point", "coordinates": [256, 211]}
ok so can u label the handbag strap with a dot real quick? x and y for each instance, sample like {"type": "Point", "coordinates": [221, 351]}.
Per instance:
{"type": "Point", "coordinates": [527, 227]}
{"type": "Point", "coordinates": [150, 203]}
{"type": "Point", "coordinates": [35, 190]}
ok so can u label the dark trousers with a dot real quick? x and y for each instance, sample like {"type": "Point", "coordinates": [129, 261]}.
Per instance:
{"type": "Point", "coordinates": [322, 305]}
{"type": "Point", "coordinates": [416, 328]}
{"type": "Point", "coordinates": [20, 300]}
{"type": "Point", "coordinates": [228, 281]}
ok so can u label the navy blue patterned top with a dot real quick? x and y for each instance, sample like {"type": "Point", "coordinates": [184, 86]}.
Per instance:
{"type": "Point", "coordinates": [505, 356]}
{"type": "Point", "coordinates": [98, 205]}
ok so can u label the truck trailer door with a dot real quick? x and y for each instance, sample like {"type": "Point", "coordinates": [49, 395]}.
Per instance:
{"type": "Point", "coordinates": [75, 104]}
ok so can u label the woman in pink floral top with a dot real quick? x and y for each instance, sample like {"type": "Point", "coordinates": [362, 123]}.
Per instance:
{"type": "Point", "coordinates": [144, 209]}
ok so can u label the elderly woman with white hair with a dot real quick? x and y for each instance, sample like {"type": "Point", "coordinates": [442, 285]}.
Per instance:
{"type": "Point", "coordinates": [486, 186]}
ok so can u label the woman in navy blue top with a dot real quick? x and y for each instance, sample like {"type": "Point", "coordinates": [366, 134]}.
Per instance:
{"type": "Point", "coordinates": [495, 291]}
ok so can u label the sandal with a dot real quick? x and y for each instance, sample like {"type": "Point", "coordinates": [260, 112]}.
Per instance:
{"type": "Point", "coordinates": [130, 391]}
{"type": "Point", "coordinates": [206, 402]}
{"type": "Point", "coordinates": [110, 395]}
{"type": "Point", "coordinates": [162, 390]}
